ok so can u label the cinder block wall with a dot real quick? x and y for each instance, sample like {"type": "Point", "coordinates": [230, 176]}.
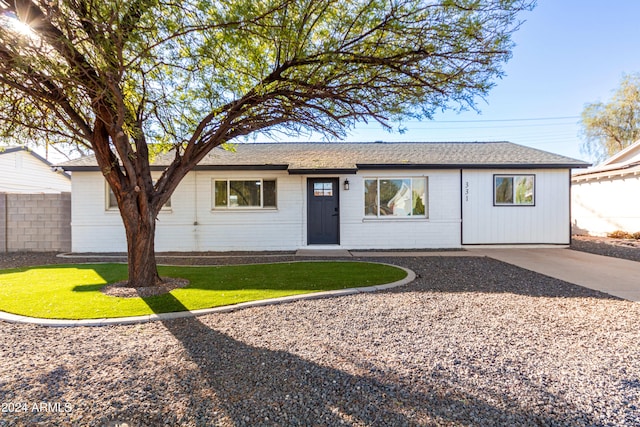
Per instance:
{"type": "Point", "coordinates": [36, 222]}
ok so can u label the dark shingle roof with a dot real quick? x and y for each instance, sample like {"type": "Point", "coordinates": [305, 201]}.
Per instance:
{"type": "Point", "coordinates": [349, 157]}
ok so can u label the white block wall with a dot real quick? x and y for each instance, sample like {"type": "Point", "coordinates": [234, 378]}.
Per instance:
{"type": "Point", "coordinates": [548, 222]}
{"type": "Point", "coordinates": [440, 230]}
{"type": "Point", "coordinates": [192, 225]}
{"type": "Point", "coordinates": [605, 205]}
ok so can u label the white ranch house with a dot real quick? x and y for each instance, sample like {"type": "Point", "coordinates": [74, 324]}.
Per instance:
{"type": "Point", "coordinates": [606, 197]}
{"type": "Point", "coordinates": [288, 196]}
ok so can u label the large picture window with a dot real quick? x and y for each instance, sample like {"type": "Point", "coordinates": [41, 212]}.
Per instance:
{"type": "Point", "coordinates": [514, 190]}
{"type": "Point", "coordinates": [244, 194]}
{"type": "Point", "coordinates": [395, 197]}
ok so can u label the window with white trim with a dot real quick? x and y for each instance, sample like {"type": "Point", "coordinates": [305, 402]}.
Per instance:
{"type": "Point", "coordinates": [396, 197]}
{"type": "Point", "coordinates": [514, 190]}
{"type": "Point", "coordinates": [244, 194]}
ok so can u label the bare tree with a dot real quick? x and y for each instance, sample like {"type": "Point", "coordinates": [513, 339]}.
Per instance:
{"type": "Point", "coordinates": [126, 79]}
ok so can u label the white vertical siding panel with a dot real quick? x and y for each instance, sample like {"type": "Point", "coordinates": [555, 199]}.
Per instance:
{"type": "Point", "coordinates": [546, 223]}
{"type": "Point", "coordinates": [191, 224]}
{"type": "Point", "coordinates": [175, 225]}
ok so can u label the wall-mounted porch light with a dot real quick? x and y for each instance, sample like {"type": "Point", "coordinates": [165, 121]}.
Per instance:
{"type": "Point", "coordinates": [346, 184]}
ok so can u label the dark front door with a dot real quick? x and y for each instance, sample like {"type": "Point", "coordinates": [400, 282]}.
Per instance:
{"type": "Point", "coordinates": [323, 212]}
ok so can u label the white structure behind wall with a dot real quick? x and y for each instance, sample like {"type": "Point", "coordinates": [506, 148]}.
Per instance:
{"type": "Point", "coordinates": [606, 198]}
{"type": "Point", "coordinates": [607, 204]}
{"type": "Point", "coordinates": [23, 171]}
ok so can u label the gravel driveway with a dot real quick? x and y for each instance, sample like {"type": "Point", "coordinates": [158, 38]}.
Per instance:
{"type": "Point", "coordinates": [472, 341]}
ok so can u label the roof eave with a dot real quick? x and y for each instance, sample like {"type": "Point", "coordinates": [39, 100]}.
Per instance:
{"type": "Point", "coordinates": [476, 166]}
{"type": "Point", "coordinates": [363, 166]}
{"type": "Point", "coordinates": [269, 167]}
{"type": "Point", "coordinates": [156, 168]}
{"type": "Point", "coordinates": [322, 171]}
{"type": "Point", "coordinates": [79, 168]}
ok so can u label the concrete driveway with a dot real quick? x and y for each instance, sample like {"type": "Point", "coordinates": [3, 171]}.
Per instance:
{"type": "Point", "coordinates": [614, 276]}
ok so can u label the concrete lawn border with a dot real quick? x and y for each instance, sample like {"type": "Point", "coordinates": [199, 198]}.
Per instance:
{"type": "Point", "coordinates": [114, 321]}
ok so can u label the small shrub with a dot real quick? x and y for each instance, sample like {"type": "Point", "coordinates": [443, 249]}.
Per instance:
{"type": "Point", "coordinates": [619, 234]}
{"type": "Point", "coordinates": [636, 235]}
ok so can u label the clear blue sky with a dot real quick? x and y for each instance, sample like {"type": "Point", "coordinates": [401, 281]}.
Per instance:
{"type": "Point", "coordinates": [568, 53]}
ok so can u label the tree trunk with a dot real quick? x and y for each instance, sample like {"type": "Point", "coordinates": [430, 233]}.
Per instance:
{"type": "Point", "coordinates": [140, 230]}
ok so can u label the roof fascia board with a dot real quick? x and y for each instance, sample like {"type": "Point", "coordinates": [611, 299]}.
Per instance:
{"type": "Point", "coordinates": [80, 168]}
{"type": "Point", "coordinates": [352, 171]}
{"type": "Point", "coordinates": [273, 167]}
{"type": "Point", "coordinates": [323, 171]}
{"type": "Point", "coordinates": [477, 166]}
{"type": "Point", "coordinates": [157, 168]}
{"type": "Point", "coordinates": [10, 150]}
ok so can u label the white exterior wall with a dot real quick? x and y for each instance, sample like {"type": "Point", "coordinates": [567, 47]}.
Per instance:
{"type": "Point", "coordinates": [440, 230]}
{"type": "Point", "coordinates": [240, 229]}
{"type": "Point", "coordinates": [21, 172]}
{"type": "Point", "coordinates": [548, 222]}
{"type": "Point", "coordinates": [93, 228]}
{"type": "Point", "coordinates": [605, 205]}
{"type": "Point", "coordinates": [192, 225]}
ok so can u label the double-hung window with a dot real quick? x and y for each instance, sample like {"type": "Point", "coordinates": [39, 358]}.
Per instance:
{"type": "Point", "coordinates": [244, 193]}
{"type": "Point", "coordinates": [396, 197]}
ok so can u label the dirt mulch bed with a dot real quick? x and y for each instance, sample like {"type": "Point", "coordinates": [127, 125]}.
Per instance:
{"type": "Point", "coordinates": [617, 248]}
{"type": "Point", "coordinates": [122, 290]}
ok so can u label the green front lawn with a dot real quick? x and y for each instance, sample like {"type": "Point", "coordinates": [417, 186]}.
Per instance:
{"type": "Point", "coordinates": [73, 291]}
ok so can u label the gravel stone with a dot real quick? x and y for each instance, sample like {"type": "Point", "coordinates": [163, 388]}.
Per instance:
{"type": "Point", "coordinates": [472, 341]}
{"type": "Point", "coordinates": [619, 248]}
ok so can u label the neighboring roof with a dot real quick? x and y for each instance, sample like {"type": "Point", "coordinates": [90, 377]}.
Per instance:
{"type": "Point", "coordinates": [305, 158]}
{"type": "Point", "coordinates": [631, 154]}
{"type": "Point", "coordinates": [624, 163]}
{"type": "Point", "coordinates": [23, 171]}
{"type": "Point", "coordinates": [10, 149]}
{"type": "Point", "coordinates": [6, 150]}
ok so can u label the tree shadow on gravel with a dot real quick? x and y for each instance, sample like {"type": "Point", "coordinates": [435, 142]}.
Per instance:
{"type": "Point", "coordinates": [487, 275]}
{"type": "Point", "coordinates": [240, 384]}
